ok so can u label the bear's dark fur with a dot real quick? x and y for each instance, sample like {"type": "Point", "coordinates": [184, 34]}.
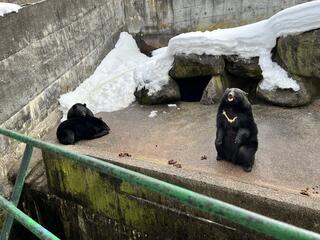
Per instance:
{"type": "Point", "coordinates": [79, 110]}
{"type": "Point", "coordinates": [237, 133]}
{"type": "Point", "coordinates": [75, 129]}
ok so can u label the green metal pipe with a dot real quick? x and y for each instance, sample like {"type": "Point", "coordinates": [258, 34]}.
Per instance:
{"type": "Point", "coordinates": [251, 220]}
{"type": "Point", "coordinates": [17, 190]}
{"type": "Point", "coordinates": [25, 220]}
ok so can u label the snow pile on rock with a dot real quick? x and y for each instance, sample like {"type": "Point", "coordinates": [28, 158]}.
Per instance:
{"type": "Point", "coordinates": [154, 73]}
{"type": "Point", "coordinates": [254, 40]}
{"type": "Point", "coordinates": [8, 8]}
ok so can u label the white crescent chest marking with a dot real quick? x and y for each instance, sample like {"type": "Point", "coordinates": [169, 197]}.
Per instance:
{"type": "Point", "coordinates": [229, 119]}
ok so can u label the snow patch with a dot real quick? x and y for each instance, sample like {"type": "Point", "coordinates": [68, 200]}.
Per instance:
{"type": "Point", "coordinates": [274, 75]}
{"type": "Point", "coordinates": [172, 105]}
{"type": "Point", "coordinates": [154, 73]}
{"type": "Point", "coordinates": [153, 114]}
{"type": "Point", "coordinates": [8, 8]}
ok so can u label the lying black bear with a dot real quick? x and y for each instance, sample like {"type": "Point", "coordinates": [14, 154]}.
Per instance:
{"type": "Point", "coordinates": [237, 133]}
{"type": "Point", "coordinates": [81, 124]}
{"type": "Point", "coordinates": [79, 110]}
{"type": "Point", "coordinates": [75, 129]}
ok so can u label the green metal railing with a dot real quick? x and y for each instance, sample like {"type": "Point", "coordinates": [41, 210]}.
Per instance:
{"type": "Point", "coordinates": [250, 220]}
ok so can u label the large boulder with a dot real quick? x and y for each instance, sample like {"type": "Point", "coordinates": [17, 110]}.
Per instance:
{"type": "Point", "coordinates": [300, 54]}
{"type": "Point", "coordinates": [287, 97]}
{"type": "Point", "coordinates": [169, 93]}
{"type": "Point", "coordinates": [214, 91]}
{"type": "Point", "coordinates": [193, 65]}
{"type": "Point", "coordinates": [243, 67]}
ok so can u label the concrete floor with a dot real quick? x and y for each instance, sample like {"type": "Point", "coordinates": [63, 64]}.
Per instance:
{"type": "Point", "coordinates": [287, 159]}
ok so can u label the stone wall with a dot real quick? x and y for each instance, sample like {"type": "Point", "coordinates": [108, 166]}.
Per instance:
{"type": "Point", "coordinates": [47, 49]}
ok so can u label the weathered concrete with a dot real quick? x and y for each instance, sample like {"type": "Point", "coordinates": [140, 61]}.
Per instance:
{"type": "Point", "coordinates": [175, 16]}
{"type": "Point", "coordinates": [48, 49]}
{"type": "Point", "coordinates": [21, 2]}
{"type": "Point", "coordinates": [286, 163]}
{"type": "Point", "coordinates": [47, 46]}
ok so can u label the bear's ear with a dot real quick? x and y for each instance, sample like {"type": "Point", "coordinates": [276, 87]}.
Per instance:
{"type": "Point", "coordinates": [84, 105]}
{"type": "Point", "coordinates": [245, 93]}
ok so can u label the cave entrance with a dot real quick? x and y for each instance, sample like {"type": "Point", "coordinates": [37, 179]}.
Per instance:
{"type": "Point", "coordinates": [191, 89]}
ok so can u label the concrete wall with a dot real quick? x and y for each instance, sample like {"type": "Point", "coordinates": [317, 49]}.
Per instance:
{"type": "Point", "coordinates": [47, 49]}
{"type": "Point", "coordinates": [21, 2]}
{"type": "Point", "coordinates": [175, 16]}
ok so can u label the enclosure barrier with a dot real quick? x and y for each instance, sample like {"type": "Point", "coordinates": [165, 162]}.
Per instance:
{"type": "Point", "coordinates": [245, 218]}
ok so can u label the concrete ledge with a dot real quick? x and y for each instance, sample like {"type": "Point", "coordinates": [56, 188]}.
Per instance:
{"type": "Point", "coordinates": [272, 189]}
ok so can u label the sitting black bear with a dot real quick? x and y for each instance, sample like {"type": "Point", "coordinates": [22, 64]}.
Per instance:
{"type": "Point", "coordinates": [79, 110]}
{"type": "Point", "coordinates": [237, 133]}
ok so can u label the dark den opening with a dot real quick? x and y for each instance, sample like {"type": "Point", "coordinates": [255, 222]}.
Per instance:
{"type": "Point", "coordinates": [192, 88]}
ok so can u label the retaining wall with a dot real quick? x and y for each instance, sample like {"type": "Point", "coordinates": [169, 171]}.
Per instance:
{"type": "Point", "coordinates": [48, 49]}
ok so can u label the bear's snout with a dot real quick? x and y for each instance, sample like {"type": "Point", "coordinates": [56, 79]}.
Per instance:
{"type": "Point", "coordinates": [230, 96]}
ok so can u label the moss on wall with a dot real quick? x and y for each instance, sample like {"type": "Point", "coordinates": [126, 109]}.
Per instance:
{"type": "Point", "coordinates": [147, 214]}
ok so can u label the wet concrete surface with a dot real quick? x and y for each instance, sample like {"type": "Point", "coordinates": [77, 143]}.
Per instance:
{"type": "Point", "coordinates": [288, 158]}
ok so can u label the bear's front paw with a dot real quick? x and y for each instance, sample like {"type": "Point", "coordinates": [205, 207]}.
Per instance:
{"type": "Point", "coordinates": [247, 168]}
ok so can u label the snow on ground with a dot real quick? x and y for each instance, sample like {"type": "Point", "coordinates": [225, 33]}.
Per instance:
{"type": "Point", "coordinates": [253, 40]}
{"type": "Point", "coordinates": [8, 8]}
{"type": "Point", "coordinates": [125, 68]}
{"type": "Point", "coordinates": [172, 105]}
{"type": "Point", "coordinates": [153, 114]}
{"type": "Point", "coordinates": [112, 85]}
